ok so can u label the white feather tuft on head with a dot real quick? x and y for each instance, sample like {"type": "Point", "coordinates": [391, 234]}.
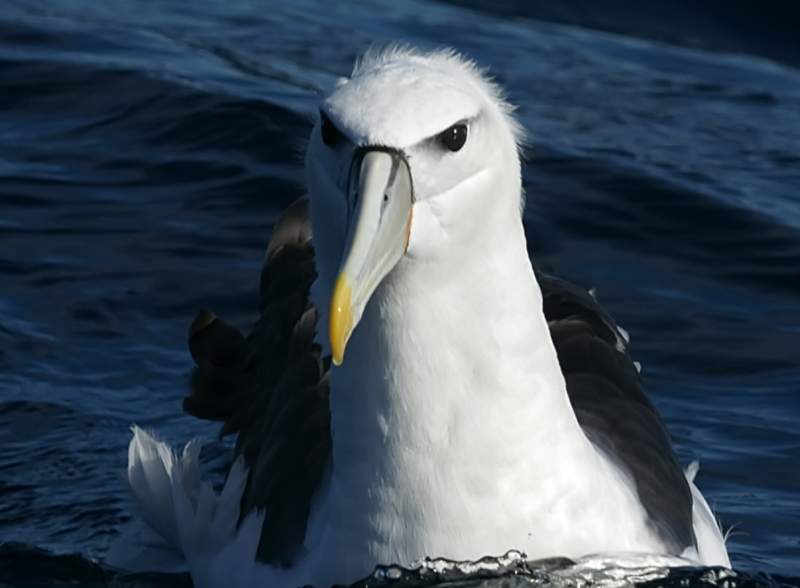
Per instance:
{"type": "Point", "coordinates": [450, 61]}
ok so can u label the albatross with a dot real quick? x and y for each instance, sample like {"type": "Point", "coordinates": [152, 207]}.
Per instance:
{"type": "Point", "coordinates": [414, 386]}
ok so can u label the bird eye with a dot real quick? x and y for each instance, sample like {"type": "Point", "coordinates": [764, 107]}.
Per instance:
{"type": "Point", "coordinates": [454, 137]}
{"type": "Point", "coordinates": [330, 134]}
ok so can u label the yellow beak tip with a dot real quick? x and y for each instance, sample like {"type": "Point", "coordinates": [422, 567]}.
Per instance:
{"type": "Point", "coordinates": [341, 319]}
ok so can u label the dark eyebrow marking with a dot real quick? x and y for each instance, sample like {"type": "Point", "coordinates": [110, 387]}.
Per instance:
{"type": "Point", "coordinates": [464, 121]}
{"type": "Point", "coordinates": [331, 134]}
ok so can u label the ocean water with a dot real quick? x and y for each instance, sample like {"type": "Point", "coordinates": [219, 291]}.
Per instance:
{"type": "Point", "coordinates": [146, 148]}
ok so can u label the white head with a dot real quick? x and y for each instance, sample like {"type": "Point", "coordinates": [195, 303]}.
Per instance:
{"type": "Point", "coordinates": [414, 158]}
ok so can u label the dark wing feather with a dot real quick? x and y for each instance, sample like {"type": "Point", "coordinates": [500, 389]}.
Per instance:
{"type": "Point", "coordinates": [271, 389]}
{"type": "Point", "coordinates": [606, 393]}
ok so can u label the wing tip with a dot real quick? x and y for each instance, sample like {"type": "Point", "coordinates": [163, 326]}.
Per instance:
{"type": "Point", "coordinates": [201, 321]}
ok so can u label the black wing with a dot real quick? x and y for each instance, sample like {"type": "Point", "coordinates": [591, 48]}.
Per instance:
{"type": "Point", "coordinates": [271, 389]}
{"type": "Point", "coordinates": [606, 393]}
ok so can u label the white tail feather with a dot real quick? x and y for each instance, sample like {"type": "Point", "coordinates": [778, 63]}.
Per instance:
{"type": "Point", "coordinates": [711, 549]}
{"type": "Point", "coordinates": [187, 518]}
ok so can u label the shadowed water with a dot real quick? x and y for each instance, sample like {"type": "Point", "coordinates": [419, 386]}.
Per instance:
{"type": "Point", "coordinates": [146, 150]}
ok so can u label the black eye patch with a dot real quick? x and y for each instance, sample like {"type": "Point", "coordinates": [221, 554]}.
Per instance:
{"type": "Point", "coordinates": [330, 134]}
{"type": "Point", "coordinates": [453, 138]}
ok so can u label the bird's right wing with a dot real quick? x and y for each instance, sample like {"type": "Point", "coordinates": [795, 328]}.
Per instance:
{"type": "Point", "coordinates": [271, 389]}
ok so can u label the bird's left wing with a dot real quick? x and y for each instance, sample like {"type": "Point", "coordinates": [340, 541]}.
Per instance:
{"type": "Point", "coordinates": [611, 405]}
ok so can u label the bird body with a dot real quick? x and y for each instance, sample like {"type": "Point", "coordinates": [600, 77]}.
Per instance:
{"type": "Point", "coordinates": [432, 451]}
{"type": "Point", "coordinates": [477, 409]}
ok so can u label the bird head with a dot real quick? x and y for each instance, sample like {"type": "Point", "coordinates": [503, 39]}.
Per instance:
{"type": "Point", "coordinates": [409, 158]}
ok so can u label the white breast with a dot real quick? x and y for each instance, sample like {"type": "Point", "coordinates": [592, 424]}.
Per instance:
{"type": "Point", "coordinates": [454, 436]}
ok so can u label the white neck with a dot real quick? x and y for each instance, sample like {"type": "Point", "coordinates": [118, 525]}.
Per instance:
{"type": "Point", "coordinates": [431, 351]}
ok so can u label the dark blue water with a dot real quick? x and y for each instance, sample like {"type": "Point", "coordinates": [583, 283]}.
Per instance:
{"type": "Point", "coordinates": [147, 147]}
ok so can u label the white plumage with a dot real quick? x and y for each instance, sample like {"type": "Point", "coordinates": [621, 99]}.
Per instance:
{"type": "Point", "coordinates": [453, 434]}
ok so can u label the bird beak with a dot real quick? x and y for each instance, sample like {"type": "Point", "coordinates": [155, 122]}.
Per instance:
{"type": "Point", "coordinates": [380, 197]}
